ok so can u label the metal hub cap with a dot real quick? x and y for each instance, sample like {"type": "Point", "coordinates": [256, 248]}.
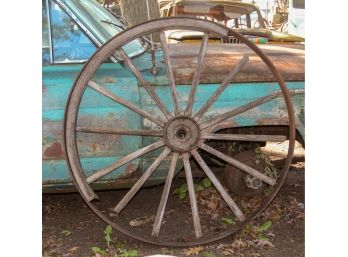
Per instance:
{"type": "Point", "coordinates": [181, 134]}
{"type": "Point", "coordinates": [252, 182]}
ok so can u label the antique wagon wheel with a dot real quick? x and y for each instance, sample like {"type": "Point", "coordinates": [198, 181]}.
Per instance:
{"type": "Point", "coordinates": [183, 133]}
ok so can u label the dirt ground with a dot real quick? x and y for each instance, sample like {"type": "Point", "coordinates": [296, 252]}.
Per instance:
{"type": "Point", "coordinates": [70, 228]}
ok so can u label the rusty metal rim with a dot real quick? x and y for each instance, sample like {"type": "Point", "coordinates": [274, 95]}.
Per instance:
{"type": "Point", "coordinates": [145, 28]}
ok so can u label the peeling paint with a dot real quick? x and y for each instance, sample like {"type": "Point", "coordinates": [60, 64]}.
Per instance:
{"type": "Point", "coordinates": [130, 169]}
{"type": "Point", "coordinates": [54, 150]}
{"type": "Point", "coordinates": [149, 124]}
{"type": "Point", "coordinates": [273, 121]}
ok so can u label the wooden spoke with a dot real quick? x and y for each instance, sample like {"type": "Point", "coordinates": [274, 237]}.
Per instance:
{"type": "Point", "coordinates": [165, 194]}
{"type": "Point", "coordinates": [123, 161]}
{"type": "Point", "coordinates": [144, 83]}
{"type": "Point", "coordinates": [192, 195]}
{"type": "Point", "coordinates": [222, 87]}
{"type": "Point", "coordinates": [123, 102]}
{"type": "Point", "coordinates": [197, 74]}
{"type": "Point", "coordinates": [239, 110]}
{"type": "Point", "coordinates": [233, 206]}
{"type": "Point", "coordinates": [124, 201]}
{"type": "Point", "coordinates": [238, 164]}
{"type": "Point", "coordinates": [130, 132]}
{"type": "Point", "coordinates": [170, 75]}
{"type": "Point", "coordinates": [242, 137]}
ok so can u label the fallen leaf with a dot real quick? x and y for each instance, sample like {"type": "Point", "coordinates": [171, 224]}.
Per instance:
{"type": "Point", "coordinates": [300, 216]}
{"type": "Point", "coordinates": [214, 216]}
{"type": "Point", "coordinates": [263, 242]}
{"type": "Point", "coordinates": [193, 251]}
{"type": "Point", "coordinates": [221, 246]}
{"type": "Point", "coordinates": [270, 234]}
{"type": "Point", "coordinates": [238, 243]}
{"type": "Point", "coordinates": [250, 243]}
{"type": "Point", "coordinates": [212, 205]}
{"type": "Point", "coordinates": [74, 249]}
{"type": "Point", "coordinates": [227, 252]}
{"type": "Point", "coordinates": [66, 232]}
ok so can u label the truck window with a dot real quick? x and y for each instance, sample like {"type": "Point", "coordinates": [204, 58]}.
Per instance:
{"type": "Point", "coordinates": [70, 44]}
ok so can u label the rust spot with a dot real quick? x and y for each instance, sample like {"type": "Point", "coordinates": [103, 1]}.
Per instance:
{"type": "Point", "coordinates": [273, 121]}
{"type": "Point", "coordinates": [54, 150]}
{"type": "Point", "coordinates": [109, 80]}
{"type": "Point", "coordinates": [111, 115]}
{"type": "Point", "coordinates": [95, 148]}
{"type": "Point", "coordinates": [44, 89]}
{"type": "Point", "coordinates": [290, 66]}
{"type": "Point", "coordinates": [131, 172]}
{"type": "Point", "coordinates": [130, 168]}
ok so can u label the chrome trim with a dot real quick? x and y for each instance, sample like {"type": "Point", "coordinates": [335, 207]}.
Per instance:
{"type": "Point", "coordinates": [49, 30]}
{"type": "Point", "coordinates": [298, 91]}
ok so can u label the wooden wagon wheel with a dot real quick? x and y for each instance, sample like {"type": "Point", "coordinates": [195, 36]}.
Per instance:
{"type": "Point", "coordinates": [183, 133]}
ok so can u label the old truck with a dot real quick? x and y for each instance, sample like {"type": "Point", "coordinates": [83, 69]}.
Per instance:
{"type": "Point", "coordinates": [121, 111]}
{"type": "Point", "coordinates": [245, 18]}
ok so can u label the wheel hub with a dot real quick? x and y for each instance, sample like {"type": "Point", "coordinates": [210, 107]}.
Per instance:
{"type": "Point", "coordinates": [181, 134]}
{"type": "Point", "coordinates": [252, 182]}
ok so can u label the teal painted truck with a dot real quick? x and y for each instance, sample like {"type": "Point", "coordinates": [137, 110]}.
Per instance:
{"type": "Point", "coordinates": [144, 89]}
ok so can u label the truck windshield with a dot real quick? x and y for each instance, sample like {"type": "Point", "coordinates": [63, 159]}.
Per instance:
{"type": "Point", "coordinates": [98, 14]}
{"type": "Point", "coordinates": [102, 23]}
